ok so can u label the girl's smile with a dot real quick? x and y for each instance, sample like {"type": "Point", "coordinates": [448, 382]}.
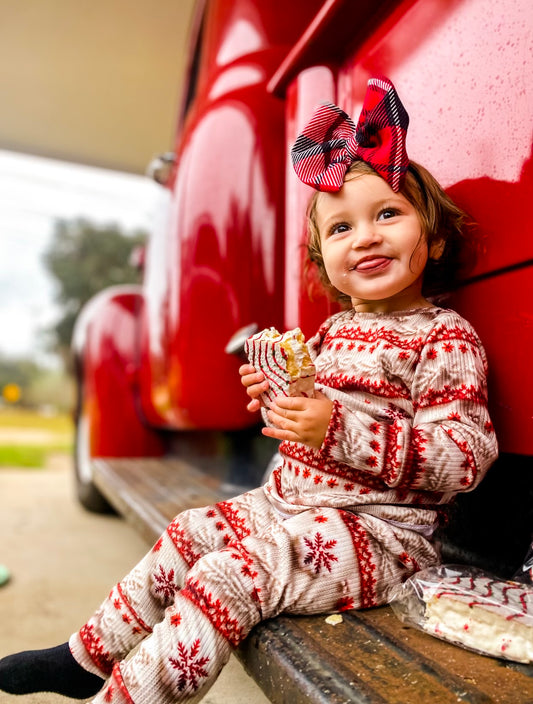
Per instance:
{"type": "Point", "coordinates": [372, 244]}
{"type": "Point", "coordinates": [371, 264]}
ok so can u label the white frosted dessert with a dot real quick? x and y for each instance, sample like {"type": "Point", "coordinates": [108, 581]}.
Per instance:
{"type": "Point", "coordinates": [284, 360]}
{"type": "Point", "coordinates": [487, 615]}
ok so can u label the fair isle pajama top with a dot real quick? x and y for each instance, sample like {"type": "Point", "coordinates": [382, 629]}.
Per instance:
{"type": "Point", "coordinates": [333, 529]}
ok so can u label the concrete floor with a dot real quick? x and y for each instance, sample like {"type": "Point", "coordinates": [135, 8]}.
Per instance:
{"type": "Point", "coordinates": [64, 561]}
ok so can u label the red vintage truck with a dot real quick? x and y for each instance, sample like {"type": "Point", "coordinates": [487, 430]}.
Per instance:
{"type": "Point", "coordinates": [155, 375]}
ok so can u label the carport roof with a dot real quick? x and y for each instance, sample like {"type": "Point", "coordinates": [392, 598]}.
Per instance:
{"type": "Point", "coordinates": [93, 81]}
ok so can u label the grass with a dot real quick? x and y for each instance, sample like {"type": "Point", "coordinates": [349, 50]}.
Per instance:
{"type": "Point", "coordinates": [23, 456]}
{"type": "Point", "coordinates": [22, 418]}
{"type": "Point", "coordinates": [28, 437]}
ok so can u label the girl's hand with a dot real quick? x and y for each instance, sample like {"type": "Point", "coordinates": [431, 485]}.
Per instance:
{"type": "Point", "coordinates": [255, 383]}
{"type": "Point", "coordinates": [300, 419]}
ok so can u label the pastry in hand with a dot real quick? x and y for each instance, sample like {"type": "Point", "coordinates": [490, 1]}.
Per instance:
{"type": "Point", "coordinates": [285, 362]}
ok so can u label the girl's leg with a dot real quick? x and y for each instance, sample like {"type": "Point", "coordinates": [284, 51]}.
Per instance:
{"type": "Point", "coordinates": [186, 651]}
{"type": "Point", "coordinates": [319, 561]}
{"type": "Point", "coordinates": [357, 561]}
{"type": "Point", "coordinates": [215, 610]}
{"type": "Point", "coordinates": [133, 606]}
{"type": "Point", "coordinates": [139, 601]}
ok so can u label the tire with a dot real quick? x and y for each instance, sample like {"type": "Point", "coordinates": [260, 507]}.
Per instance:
{"type": "Point", "coordinates": [88, 494]}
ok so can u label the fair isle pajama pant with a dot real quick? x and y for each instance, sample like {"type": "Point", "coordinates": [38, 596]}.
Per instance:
{"type": "Point", "coordinates": [218, 571]}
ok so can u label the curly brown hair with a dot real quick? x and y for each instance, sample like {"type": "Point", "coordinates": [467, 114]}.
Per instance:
{"type": "Point", "coordinates": [443, 226]}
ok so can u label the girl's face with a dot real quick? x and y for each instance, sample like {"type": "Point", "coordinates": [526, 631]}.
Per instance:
{"type": "Point", "coordinates": [372, 245]}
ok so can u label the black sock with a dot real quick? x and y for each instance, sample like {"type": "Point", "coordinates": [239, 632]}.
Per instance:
{"type": "Point", "coordinates": [49, 670]}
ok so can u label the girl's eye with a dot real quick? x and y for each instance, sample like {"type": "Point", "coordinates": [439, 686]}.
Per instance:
{"type": "Point", "coordinates": [339, 228]}
{"type": "Point", "coordinates": [387, 213]}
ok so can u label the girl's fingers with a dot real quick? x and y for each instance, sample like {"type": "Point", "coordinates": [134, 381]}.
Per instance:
{"type": "Point", "coordinates": [290, 403]}
{"type": "Point", "coordinates": [255, 378]}
{"type": "Point", "coordinates": [279, 434]}
{"type": "Point", "coordinates": [282, 418]}
{"type": "Point", "coordinates": [254, 405]}
{"type": "Point", "coordinates": [292, 412]}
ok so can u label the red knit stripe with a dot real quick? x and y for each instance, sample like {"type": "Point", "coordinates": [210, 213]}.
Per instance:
{"type": "Point", "coordinates": [367, 566]}
{"type": "Point", "coordinates": [388, 337]}
{"type": "Point", "coordinates": [334, 426]}
{"type": "Point", "coordinates": [117, 676]}
{"type": "Point", "coordinates": [469, 463]}
{"type": "Point", "coordinates": [449, 394]}
{"type": "Point", "coordinates": [93, 645]}
{"type": "Point", "coordinates": [443, 333]}
{"type": "Point", "coordinates": [391, 464]}
{"type": "Point", "coordinates": [350, 384]}
{"type": "Point", "coordinates": [237, 523]}
{"type": "Point", "coordinates": [311, 458]}
{"type": "Point", "coordinates": [132, 611]}
{"type": "Point", "coordinates": [414, 467]}
{"type": "Point", "coordinates": [182, 543]}
{"type": "Point", "coordinates": [217, 614]}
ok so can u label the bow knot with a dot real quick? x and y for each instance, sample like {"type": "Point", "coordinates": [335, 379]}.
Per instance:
{"type": "Point", "coordinates": [331, 141]}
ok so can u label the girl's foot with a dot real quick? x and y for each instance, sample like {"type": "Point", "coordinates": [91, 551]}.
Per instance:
{"type": "Point", "coordinates": [49, 670]}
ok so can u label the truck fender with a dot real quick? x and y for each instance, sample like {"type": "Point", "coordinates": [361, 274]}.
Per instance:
{"type": "Point", "coordinates": [108, 417]}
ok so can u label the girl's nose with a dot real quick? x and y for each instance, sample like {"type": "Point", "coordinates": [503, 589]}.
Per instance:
{"type": "Point", "coordinates": [365, 235]}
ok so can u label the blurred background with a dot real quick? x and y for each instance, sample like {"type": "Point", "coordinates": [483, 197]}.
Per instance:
{"type": "Point", "coordinates": [90, 93]}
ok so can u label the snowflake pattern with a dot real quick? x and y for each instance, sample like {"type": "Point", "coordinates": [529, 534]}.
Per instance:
{"type": "Point", "coordinates": [319, 555]}
{"type": "Point", "coordinates": [164, 586]}
{"type": "Point", "coordinates": [191, 667]}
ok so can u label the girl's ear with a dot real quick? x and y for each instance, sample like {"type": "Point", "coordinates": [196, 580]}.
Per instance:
{"type": "Point", "coordinates": [436, 250]}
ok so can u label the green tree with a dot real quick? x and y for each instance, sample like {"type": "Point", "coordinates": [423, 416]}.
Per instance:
{"type": "Point", "coordinates": [21, 372]}
{"type": "Point", "coordinates": [84, 258]}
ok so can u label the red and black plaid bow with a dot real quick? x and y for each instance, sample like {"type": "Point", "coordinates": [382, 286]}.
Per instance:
{"type": "Point", "coordinates": [331, 142]}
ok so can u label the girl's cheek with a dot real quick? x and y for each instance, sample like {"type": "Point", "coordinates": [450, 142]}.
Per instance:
{"type": "Point", "coordinates": [419, 257]}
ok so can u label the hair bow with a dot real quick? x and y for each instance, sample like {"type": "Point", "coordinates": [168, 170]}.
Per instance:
{"type": "Point", "coordinates": [331, 141]}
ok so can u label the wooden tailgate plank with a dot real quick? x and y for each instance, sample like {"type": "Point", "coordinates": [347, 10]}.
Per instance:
{"type": "Point", "coordinates": [149, 493]}
{"type": "Point", "coordinates": [291, 669]}
{"type": "Point", "coordinates": [499, 680]}
{"type": "Point", "coordinates": [350, 662]}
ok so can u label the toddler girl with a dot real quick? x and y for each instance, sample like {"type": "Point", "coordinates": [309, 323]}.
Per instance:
{"type": "Point", "coordinates": [398, 426]}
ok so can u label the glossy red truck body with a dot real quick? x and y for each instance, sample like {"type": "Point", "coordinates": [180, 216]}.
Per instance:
{"type": "Point", "coordinates": [229, 251]}
{"type": "Point", "coordinates": [464, 70]}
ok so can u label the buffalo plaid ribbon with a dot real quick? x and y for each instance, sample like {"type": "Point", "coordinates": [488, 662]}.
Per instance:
{"type": "Point", "coordinates": [331, 141]}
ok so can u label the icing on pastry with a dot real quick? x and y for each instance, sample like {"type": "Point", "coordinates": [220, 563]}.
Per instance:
{"type": "Point", "coordinates": [491, 616]}
{"type": "Point", "coordinates": [284, 360]}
